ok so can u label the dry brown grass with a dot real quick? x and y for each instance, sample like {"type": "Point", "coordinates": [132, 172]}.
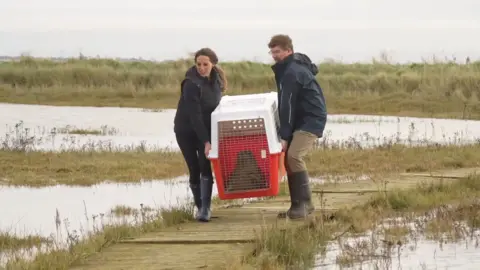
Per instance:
{"type": "Point", "coordinates": [87, 168]}
{"type": "Point", "coordinates": [91, 167]}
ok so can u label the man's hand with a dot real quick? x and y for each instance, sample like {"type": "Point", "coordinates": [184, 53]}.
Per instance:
{"type": "Point", "coordinates": [208, 147]}
{"type": "Point", "coordinates": [284, 145]}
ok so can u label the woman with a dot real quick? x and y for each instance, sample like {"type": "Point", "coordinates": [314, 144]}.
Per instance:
{"type": "Point", "coordinates": [201, 91]}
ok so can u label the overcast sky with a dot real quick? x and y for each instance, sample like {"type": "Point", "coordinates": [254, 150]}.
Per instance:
{"type": "Point", "coordinates": [348, 29]}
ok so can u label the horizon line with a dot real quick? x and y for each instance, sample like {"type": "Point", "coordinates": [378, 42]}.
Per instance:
{"type": "Point", "coordinates": [276, 25]}
{"type": "Point", "coordinates": [381, 58]}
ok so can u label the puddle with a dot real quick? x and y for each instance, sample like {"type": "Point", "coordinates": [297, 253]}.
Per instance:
{"type": "Point", "coordinates": [77, 205]}
{"type": "Point", "coordinates": [154, 129]}
{"type": "Point", "coordinates": [371, 251]}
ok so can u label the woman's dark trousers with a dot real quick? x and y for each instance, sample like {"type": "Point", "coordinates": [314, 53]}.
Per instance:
{"type": "Point", "coordinates": [200, 170]}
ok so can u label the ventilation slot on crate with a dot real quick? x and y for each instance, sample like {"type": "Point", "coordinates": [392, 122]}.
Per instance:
{"type": "Point", "coordinates": [244, 155]}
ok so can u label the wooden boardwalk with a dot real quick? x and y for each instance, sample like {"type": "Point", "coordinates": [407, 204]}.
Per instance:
{"type": "Point", "coordinates": [218, 243]}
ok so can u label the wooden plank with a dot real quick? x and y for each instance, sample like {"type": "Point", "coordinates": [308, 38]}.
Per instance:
{"type": "Point", "coordinates": [163, 257]}
{"type": "Point", "coordinates": [283, 208]}
{"type": "Point", "coordinates": [436, 175]}
{"type": "Point", "coordinates": [454, 174]}
{"type": "Point", "coordinates": [187, 242]}
{"type": "Point", "coordinates": [319, 191]}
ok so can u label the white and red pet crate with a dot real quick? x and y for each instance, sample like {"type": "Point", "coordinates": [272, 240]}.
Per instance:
{"type": "Point", "coordinates": [246, 151]}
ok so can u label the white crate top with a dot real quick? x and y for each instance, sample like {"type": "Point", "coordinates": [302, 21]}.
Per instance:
{"type": "Point", "coordinates": [241, 107]}
{"type": "Point", "coordinates": [242, 103]}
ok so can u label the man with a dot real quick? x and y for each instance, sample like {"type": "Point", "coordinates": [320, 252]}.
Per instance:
{"type": "Point", "coordinates": [303, 116]}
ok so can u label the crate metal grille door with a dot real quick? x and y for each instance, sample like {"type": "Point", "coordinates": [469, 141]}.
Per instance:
{"type": "Point", "coordinates": [244, 155]}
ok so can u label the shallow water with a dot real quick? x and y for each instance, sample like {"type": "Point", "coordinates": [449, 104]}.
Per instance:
{"type": "Point", "coordinates": [33, 210]}
{"type": "Point", "coordinates": [424, 254]}
{"type": "Point", "coordinates": [418, 252]}
{"type": "Point", "coordinates": [155, 129]}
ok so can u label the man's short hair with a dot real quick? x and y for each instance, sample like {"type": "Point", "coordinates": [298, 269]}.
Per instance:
{"type": "Point", "coordinates": [283, 41]}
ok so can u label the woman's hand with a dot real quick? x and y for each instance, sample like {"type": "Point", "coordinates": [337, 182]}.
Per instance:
{"type": "Point", "coordinates": [284, 145]}
{"type": "Point", "coordinates": [208, 146]}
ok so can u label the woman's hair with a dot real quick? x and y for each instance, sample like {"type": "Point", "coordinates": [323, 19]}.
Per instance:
{"type": "Point", "coordinates": [222, 76]}
{"type": "Point", "coordinates": [214, 59]}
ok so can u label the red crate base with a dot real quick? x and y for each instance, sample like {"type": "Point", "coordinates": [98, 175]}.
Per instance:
{"type": "Point", "coordinates": [277, 171]}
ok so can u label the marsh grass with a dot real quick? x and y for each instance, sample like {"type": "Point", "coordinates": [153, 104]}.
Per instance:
{"type": "Point", "coordinates": [13, 242]}
{"type": "Point", "coordinates": [123, 210]}
{"type": "Point", "coordinates": [297, 245]}
{"type": "Point", "coordinates": [152, 110]}
{"type": "Point", "coordinates": [354, 120]}
{"type": "Point", "coordinates": [79, 131]}
{"type": "Point", "coordinates": [396, 234]}
{"type": "Point", "coordinates": [95, 162]}
{"type": "Point", "coordinates": [419, 89]}
{"type": "Point", "coordinates": [371, 248]}
{"type": "Point", "coordinates": [104, 130]}
{"type": "Point", "coordinates": [427, 195]}
{"type": "Point", "coordinates": [80, 245]}
{"type": "Point", "coordinates": [441, 211]}
{"type": "Point", "coordinates": [288, 246]}
{"type": "Point", "coordinates": [87, 168]}
{"type": "Point", "coordinates": [453, 223]}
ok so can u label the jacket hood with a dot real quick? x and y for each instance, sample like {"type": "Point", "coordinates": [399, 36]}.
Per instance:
{"type": "Point", "coordinates": [191, 72]}
{"type": "Point", "coordinates": [304, 60]}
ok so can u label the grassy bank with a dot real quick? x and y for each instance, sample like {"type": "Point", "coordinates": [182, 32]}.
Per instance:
{"type": "Point", "coordinates": [91, 167]}
{"type": "Point", "coordinates": [298, 246]}
{"type": "Point", "coordinates": [87, 167]}
{"type": "Point", "coordinates": [430, 90]}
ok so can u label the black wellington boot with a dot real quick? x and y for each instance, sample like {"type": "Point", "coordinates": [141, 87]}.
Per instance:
{"type": "Point", "coordinates": [307, 193]}
{"type": "Point", "coordinates": [302, 196]}
{"type": "Point", "coordinates": [206, 185]}
{"type": "Point", "coordinates": [196, 198]}
{"type": "Point", "coordinates": [292, 201]}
